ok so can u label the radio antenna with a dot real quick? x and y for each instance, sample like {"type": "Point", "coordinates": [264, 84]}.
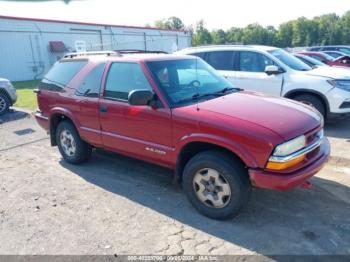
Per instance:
{"type": "Point", "coordinates": [197, 86]}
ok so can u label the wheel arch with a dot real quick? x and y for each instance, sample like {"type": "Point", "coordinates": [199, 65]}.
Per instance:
{"type": "Point", "coordinates": [293, 93]}
{"type": "Point", "coordinates": [56, 117]}
{"type": "Point", "coordinates": [194, 147]}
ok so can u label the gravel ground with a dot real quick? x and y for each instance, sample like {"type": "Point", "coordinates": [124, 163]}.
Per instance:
{"type": "Point", "coordinates": [117, 205]}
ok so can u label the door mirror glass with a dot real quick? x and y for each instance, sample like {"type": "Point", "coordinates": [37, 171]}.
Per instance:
{"type": "Point", "coordinates": [272, 70]}
{"type": "Point", "coordinates": [140, 97]}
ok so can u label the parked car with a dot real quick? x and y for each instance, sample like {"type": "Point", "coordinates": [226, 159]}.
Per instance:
{"type": "Point", "coordinates": [341, 48]}
{"type": "Point", "coordinates": [334, 54]}
{"type": "Point", "coordinates": [312, 62]}
{"type": "Point", "coordinates": [343, 61]}
{"type": "Point", "coordinates": [177, 112]}
{"type": "Point", "coordinates": [8, 95]}
{"type": "Point", "coordinates": [276, 72]}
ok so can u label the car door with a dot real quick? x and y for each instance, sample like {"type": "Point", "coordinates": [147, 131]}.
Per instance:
{"type": "Point", "coordinates": [251, 74]}
{"type": "Point", "coordinates": [87, 111]}
{"type": "Point", "coordinates": [141, 131]}
{"type": "Point", "coordinates": [223, 62]}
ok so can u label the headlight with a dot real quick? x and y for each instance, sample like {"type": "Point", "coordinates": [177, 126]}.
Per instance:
{"type": "Point", "coordinates": [290, 147]}
{"type": "Point", "coordinates": [342, 84]}
{"type": "Point", "coordinates": [284, 150]}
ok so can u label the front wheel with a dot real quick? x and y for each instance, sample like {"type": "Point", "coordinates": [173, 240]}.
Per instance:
{"type": "Point", "coordinates": [216, 184]}
{"type": "Point", "coordinates": [72, 148]}
{"type": "Point", "coordinates": [4, 104]}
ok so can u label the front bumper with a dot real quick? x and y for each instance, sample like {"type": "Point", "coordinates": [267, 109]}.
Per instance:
{"type": "Point", "coordinates": [14, 98]}
{"type": "Point", "coordinates": [338, 101]}
{"type": "Point", "coordinates": [284, 181]}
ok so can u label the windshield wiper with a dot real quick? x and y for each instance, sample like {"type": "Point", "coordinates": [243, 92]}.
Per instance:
{"type": "Point", "coordinates": [217, 93]}
{"type": "Point", "coordinates": [228, 89]}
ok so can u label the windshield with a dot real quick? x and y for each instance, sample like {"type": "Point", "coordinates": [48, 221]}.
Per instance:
{"type": "Point", "coordinates": [186, 81]}
{"type": "Point", "coordinates": [289, 60]}
{"type": "Point", "coordinates": [334, 54]}
{"type": "Point", "coordinates": [328, 57]}
{"type": "Point", "coordinates": [310, 61]}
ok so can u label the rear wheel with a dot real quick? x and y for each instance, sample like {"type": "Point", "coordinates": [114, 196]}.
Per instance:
{"type": "Point", "coordinates": [216, 184]}
{"type": "Point", "coordinates": [4, 103]}
{"type": "Point", "coordinates": [312, 101]}
{"type": "Point", "coordinates": [72, 148]}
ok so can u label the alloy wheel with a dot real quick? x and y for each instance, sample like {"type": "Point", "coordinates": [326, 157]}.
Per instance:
{"type": "Point", "coordinates": [3, 104]}
{"type": "Point", "coordinates": [212, 188]}
{"type": "Point", "coordinates": [67, 142]}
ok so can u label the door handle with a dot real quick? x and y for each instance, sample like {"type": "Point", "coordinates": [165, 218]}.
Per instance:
{"type": "Point", "coordinates": [103, 109]}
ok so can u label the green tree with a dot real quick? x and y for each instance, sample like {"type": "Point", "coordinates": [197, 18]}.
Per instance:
{"type": "Point", "coordinates": [254, 34]}
{"type": "Point", "coordinates": [201, 35]}
{"type": "Point", "coordinates": [345, 26]}
{"type": "Point", "coordinates": [284, 35]}
{"type": "Point", "coordinates": [170, 23]}
{"type": "Point", "coordinates": [271, 35]}
{"type": "Point", "coordinates": [234, 35]}
{"type": "Point", "coordinates": [218, 37]}
{"type": "Point", "coordinates": [329, 27]}
{"type": "Point", "coordinates": [300, 32]}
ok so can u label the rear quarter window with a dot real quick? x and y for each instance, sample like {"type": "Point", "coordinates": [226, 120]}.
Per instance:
{"type": "Point", "coordinates": [90, 86]}
{"type": "Point", "coordinates": [61, 74]}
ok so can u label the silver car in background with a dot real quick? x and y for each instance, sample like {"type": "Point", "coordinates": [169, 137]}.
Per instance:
{"type": "Point", "coordinates": [8, 95]}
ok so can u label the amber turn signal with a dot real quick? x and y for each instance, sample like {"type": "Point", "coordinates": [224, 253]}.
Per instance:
{"type": "Point", "coordinates": [284, 165]}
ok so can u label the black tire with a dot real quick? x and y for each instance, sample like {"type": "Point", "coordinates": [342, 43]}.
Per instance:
{"type": "Point", "coordinates": [235, 175]}
{"type": "Point", "coordinates": [4, 103]}
{"type": "Point", "coordinates": [313, 101]}
{"type": "Point", "coordinates": [82, 149]}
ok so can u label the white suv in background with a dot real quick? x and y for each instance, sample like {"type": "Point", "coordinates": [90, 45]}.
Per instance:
{"type": "Point", "coordinates": [8, 95]}
{"type": "Point", "coordinates": [276, 72]}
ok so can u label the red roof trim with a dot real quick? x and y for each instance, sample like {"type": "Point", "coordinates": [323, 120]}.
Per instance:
{"type": "Point", "coordinates": [85, 23]}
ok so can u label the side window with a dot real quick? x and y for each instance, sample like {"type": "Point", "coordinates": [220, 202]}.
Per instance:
{"type": "Point", "coordinates": [61, 74]}
{"type": "Point", "coordinates": [201, 55]}
{"type": "Point", "coordinates": [123, 78]}
{"type": "Point", "coordinates": [345, 51]}
{"type": "Point", "coordinates": [328, 48]}
{"type": "Point", "coordinates": [221, 60]}
{"type": "Point", "coordinates": [253, 62]}
{"type": "Point", "coordinates": [90, 86]}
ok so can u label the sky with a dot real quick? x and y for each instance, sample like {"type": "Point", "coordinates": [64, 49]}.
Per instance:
{"type": "Point", "coordinates": [216, 14]}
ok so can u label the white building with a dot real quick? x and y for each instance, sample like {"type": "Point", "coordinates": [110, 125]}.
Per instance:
{"type": "Point", "coordinates": [29, 47]}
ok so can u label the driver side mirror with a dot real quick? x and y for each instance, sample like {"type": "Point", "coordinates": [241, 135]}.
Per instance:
{"type": "Point", "coordinates": [273, 70]}
{"type": "Point", "coordinates": [140, 97]}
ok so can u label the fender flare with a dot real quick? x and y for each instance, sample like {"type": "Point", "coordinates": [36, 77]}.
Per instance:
{"type": "Point", "coordinates": [223, 142]}
{"type": "Point", "coordinates": [66, 113]}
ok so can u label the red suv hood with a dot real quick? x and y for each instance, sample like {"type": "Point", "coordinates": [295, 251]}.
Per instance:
{"type": "Point", "coordinates": [285, 117]}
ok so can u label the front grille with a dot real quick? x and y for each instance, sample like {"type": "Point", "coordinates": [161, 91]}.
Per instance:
{"type": "Point", "coordinates": [313, 137]}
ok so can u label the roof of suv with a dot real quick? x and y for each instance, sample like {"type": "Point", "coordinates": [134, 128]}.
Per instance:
{"type": "Point", "coordinates": [323, 46]}
{"type": "Point", "coordinates": [225, 47]}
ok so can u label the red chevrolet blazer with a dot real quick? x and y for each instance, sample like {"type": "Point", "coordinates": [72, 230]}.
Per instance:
{"type": "Point", "coordinates": [178, 112]}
